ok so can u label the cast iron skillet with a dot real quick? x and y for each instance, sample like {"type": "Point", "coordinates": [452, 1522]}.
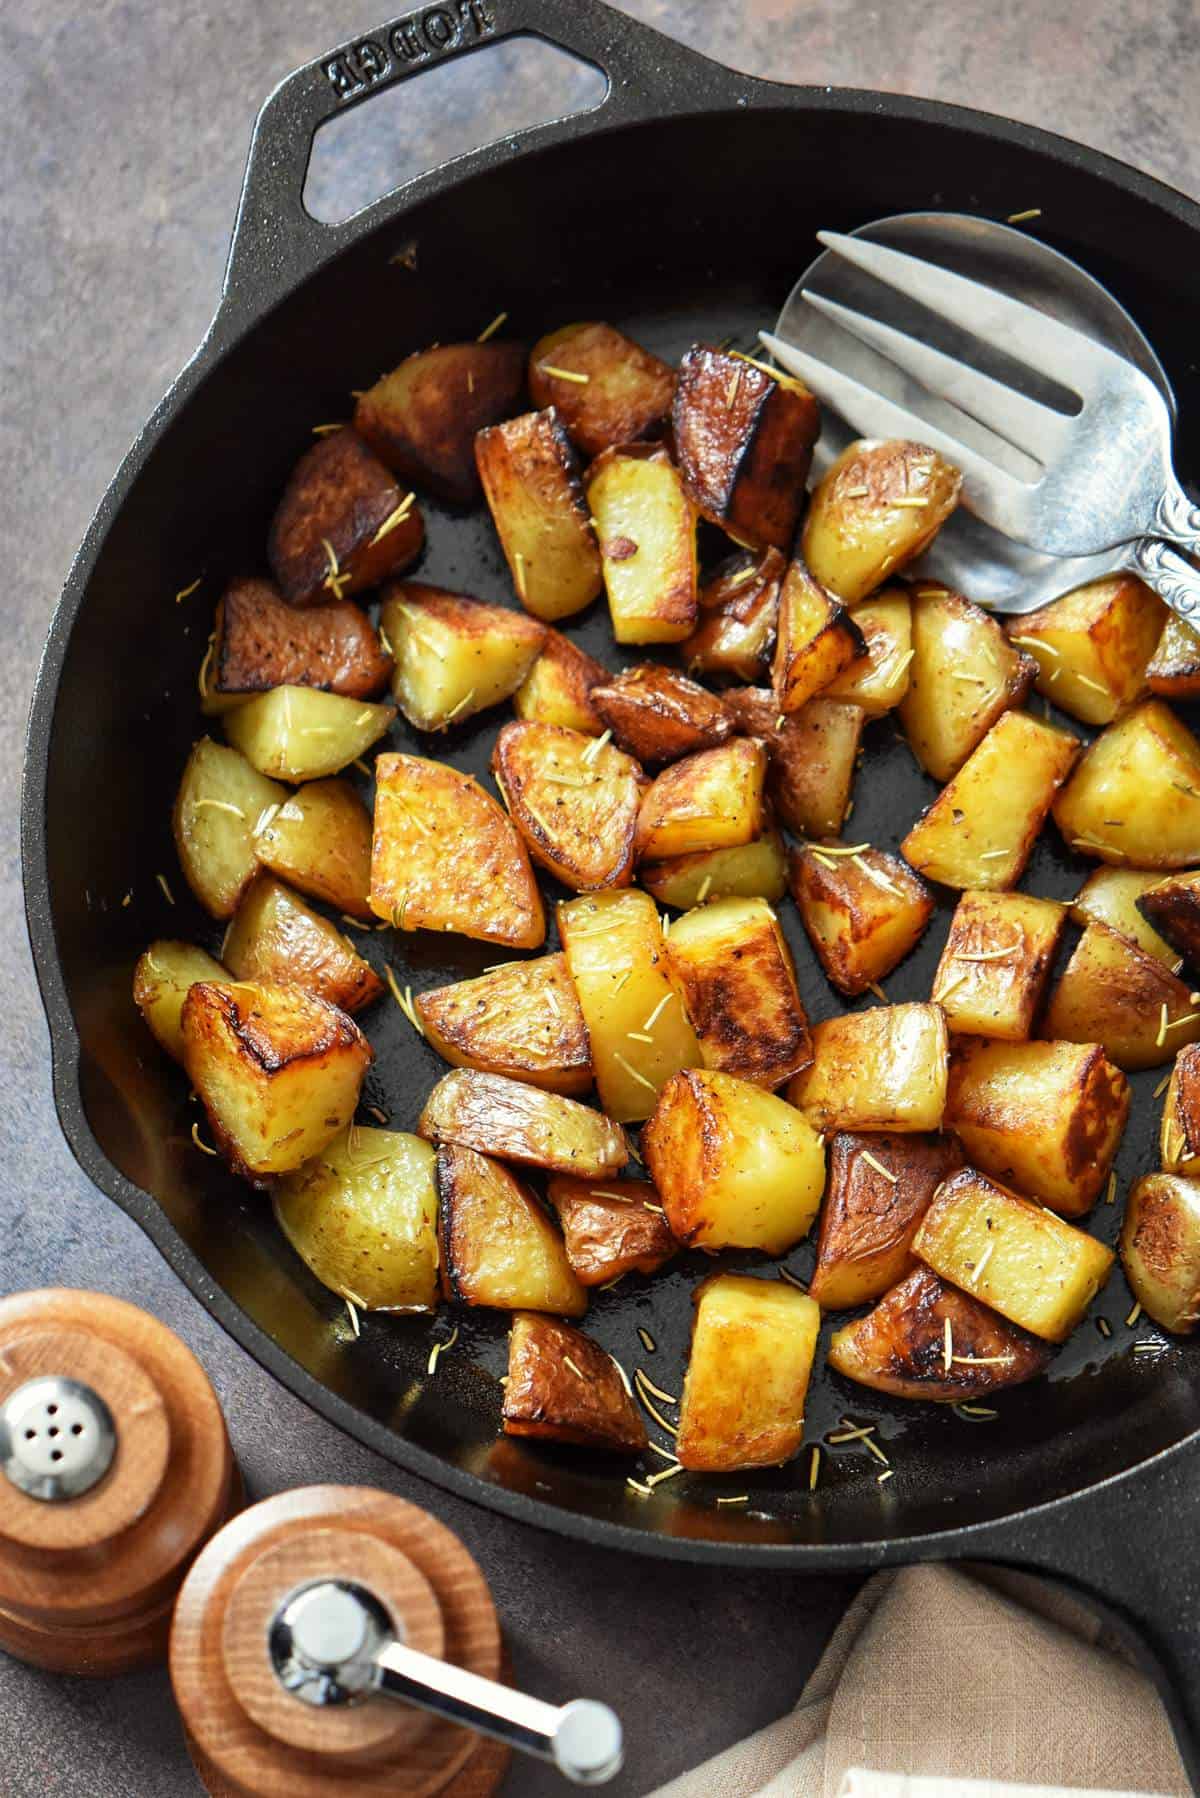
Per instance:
{"type": "Point", "coordinates": [682, 206]}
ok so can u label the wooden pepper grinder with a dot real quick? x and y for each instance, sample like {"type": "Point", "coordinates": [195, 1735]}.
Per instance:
{"type": "Point", "coordinates": [115, 1466]}
{"type": "Point", "coordinates": [304, 1620]}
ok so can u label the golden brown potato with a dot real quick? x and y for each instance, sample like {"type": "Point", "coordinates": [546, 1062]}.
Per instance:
{"type": "Point", "coordinates": [1135, 796]}
{"type": "Point", "coordinates": [220, 801]}
{"type": "Point", "coordinates": [611, 1230]}
{"type": "Point", "coordinates": [748, 871]}
{"type": "Point", "coordinates": [164, 975]}
{"type": "Point", "coordinates": [1045, 1117]}
{"type": "Point", "coordinates": [863, 911]}
{"type": "Point", "coordinates": [646, 528]}
{"type": "Point", "coordinates": [994, 967]}
{"type": "Point", "coordinates": [753, 1343]}
{"type": "Point", "coordinates": [812, 756]}
{"type": "Point", "coordinates": [497, 1245]}
{"type": "Point", "coordinates": [713, 800]}
{"type": "Point", "coordinates": [557, 689]}
{"type": "Point", "coordinates": [320, 841]}
{"type": "Point", "coordinates": [574, 799]}
{"type": "Point", "coordinates": [735, 971]}
{"type": "Point", "coordinates": [963, 674]}
{"type": "Point", "coordinates": [1093, 645]}
{"type": "Point", "coordinates": [1179, 1137]}
{"type": "Point", "coordinates": [531, 484]}
{"type": "Point", "coordinates": [275, 937]}
{"type": "Point", "coordinates": [980, 830]}
{"type": "Point", "coordinates": [1174, 668]}
{"type": "Point", "coordinates": [873, 512]}
{"type": "Point", "coordinates": [342, 524]}
{"type": "Point", "coordinates": [736, 1167]}
{"type": "Point", "coordinates": [1112, 896]}
{"type": "Point", "coordinates": [454, 656]}
{"type": "Point", "coordinates": [564, 1387]}
{"type": "Point", "coordinates": [1171, 905]}
{"type": "Point", "coordinates": [815, 640]}
{"type": "Point", "coordinates": [882, 1069]}
{"type": "Point", "coordinates": [927, 1340]}
{"type": "Point", "coordinates": [1160, 1249]}
{"type": "Point", "coordinates": [878, 680]}
{"type": "Point", "coordinates": [278, 1071]}
{"type": "Point", "coordinates": [1113, 993]}
{"type": "Point", "coordinates": [1017, 1257]}
{"type": "Point", "coordinates": [739, 612]}
{"type": "Point", "coordinates": [260, 642]}
{"type": "Point", "coordinates": [498, 1116]}
{"type": "Point", "coordinates": [744, 436]}
{"type": "Point", "coordinates": [298, 734]}
{"type": "Point", "coordinates": [421, 419]}
{"type": "Point", "coordinates": [606, 388]}
{"type": "Point", "coordinates": [879, 1190]}
{"type": "Point", "coordinates": [659, 715]}
{"type": "Point", "coordinates": [446, 857]}
{"type": "Point", "coordinates": [522, 1019]}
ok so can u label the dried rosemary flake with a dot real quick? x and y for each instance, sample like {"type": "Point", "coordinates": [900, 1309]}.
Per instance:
{"type": "Point", "coordinates": [456, 709]}
{"type": "Point", "coordinates": [982, 1360]}
{"type": "Point", "coordinates": [913, 501]}
{"type": "Point", "coordinates": [851, 849]}
{"type": "Point", "coordinates": [785, 1273]}
{"type": "Point", "coordinates": [162, 881]}
{"type": "Point", "coordinates": [951, 986]}
{"type": "Point", "coordinates": [947, 1347]}
{"type": "Point", "coordinates": [982, 1411]}
{"type": "Point", "coordinates": [873, 986]}
{"type": "Point", "coordinates": [196, 1139]}
{"type": "Point", "coordinates": [658, 1449]}
{"type": "Point", "coordinates": [394, 518]}
{"type": "Point", "coordinates": [186, 592]}
{"type": "Point", "coordinates": [594, 747]}
{"type": "Point", "coordinates": [668, 1473]}
{"type": "Point", "coordinates": [352, 1310]}
{"type": "Point", "coordinates": [1104, 1327]}
{"type": "Point", "coordinates": [643, 1379]}
{"type": "Point", "coordinates": [878, 876]}
{"type": "Point", "coordinates": [814, 1467]}
{"type": "Point", "coordinates": [1000, 954]}
{"type": "Point", "coordinates": [647, 1341]}
{"type": "Point", "coordinates": [501, 318]}
{"type": "Point", "coordinates": [219, 805]}
{"type": "Point", "coordinates": [575, 1369]}
{"type": "Point", "coordinates": [1110, 1197]}
{"type": "Point", "coordinates": [1133, 1316]}
{"type": "Point", "coordinates": [652, 1410]}
{"type": "Point", "coordinates": [652, 1020]}
{"type": "Point", "coordinates": [1022, 218]}
{"type": "Point", "coordinates": [637, 1486]}
{"type": "Point", "coordinates": [858, 493]}
{"type": "Point", "coordinates": [439, 1349]}
{"type": "Point", "coordinates": [981, 1264]}
{"type": "Point", "coordinates": [327, 430]}
{"type": "Point", "coordinates": [885, 1475]}
{"type": "Point", "coordinates": [879, 1167]}
{"type": "Point", "coordinates": [625, 1383]}
{"type": "Point", "coordinates": [639, 1036]}
{"type": "Point", "coordinates": [736, 1498]}
{"type": "Point", "coordinates": [563, 374]}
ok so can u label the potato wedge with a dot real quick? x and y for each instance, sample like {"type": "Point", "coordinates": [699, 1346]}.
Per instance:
{"type": "Point", "coordinates": [753, 1344]}
{"type": "Point", "coordinates": [1045, 1117]}
{"type": "Point", "coordinates": [1174, 669]}
{"type": "Point", "coordinates": [812, 756]}
{"type": "Point", "coordinates": [363, 1215]}
{"type": "Point", "coordinates": [646, 528]}
{"type": "Point", "coordinates": [320, 841]}
{"type": "Point", "coordinates": [619, 392]}
{"type": "Point", "coordinates": [421, 419]}
{"type": "Point", "coordinates": [574, 799]}
{"type": "Point", "coordinates": [275, 937]}
{"type": "Point", "coordinates": [261, 642]}
{"type": "Point", "coordinates": [497, 1245]}
{"type": "Point", "coordinates": [879, 1189]}
{"type": "Point", "coordinates": [1135, 796]}
{"type": "Point", "coordinates": [1112, 896]}
{"type": "Point", "coordinates": [446, 857]}
{"type": "Point", "coordinates": [748, 871]}
{"type": "Point", "coordinates": [739, 614]}
{"type": "Point", "coordinates": [298, 734]}
{"type": "Point", "coordinates": [815, 639]}
{"type": "Point", "coordinates": [863, 911]}
{"type": "Point", "coordinates": [557, 689]}
{"type": "Point", "coordinates": [164, 975]}
{"type": "Point", "coordinates": [879, 679]}
{"type": "Point", "coordinates": [900, 1346]}
{"type": "Point", "coordinates": [611, 1229]}
{"type": "Point", "coordinates": [997, 959]}
{"type": "Point", "coordinates": [873, 512]}
{"type": "Point", "coordinates": [278, 1071]}
{"type": "Point", "coordinates": [1113, 993]}
{"type": "Point", "coordinates": [738, 981]}
{"type": "Point", "coordinates": [498, 1116]}
{"type": "Point", "coordinates": [735, 1166]}
{"type": "Point", "coordinates": [1179, 1137]}
{"type": "Point", "coordinates": [1093, 645]}
{"type": "Point", "coordinates": [563, 1387]}
{"type": "Point", "coordinates": [744, 436]}
{"type": "Point", "coordinates": [342, 523]}
{"type": "Point", "coordinates": [1017, 1257]}
{"type": "Point", "coordinates": [1171, 904]}
{"type": "Point", "coordinates": [713, 800]}
{"type": "Point", "coordinates": [531, 484]}
{"type": "Point", "coordinates": [980, 830]}
{"type": "Point", "coordinates": [220, 801]}
{"type": "Point", "coordinates": [617, 960]}
{"type": "Point", "coordinates": [1160, 1249]}
{"type": "Point", "coordinates": [454, 656]}
{"type": "Point", "coordinates": [964, 673]}
{"type": "Point", "coordinates": [882, 1069]}
{"type": "Point", "coordinates": [522, 1019]}
{"type": "Point", "coordinates": [659, 715]}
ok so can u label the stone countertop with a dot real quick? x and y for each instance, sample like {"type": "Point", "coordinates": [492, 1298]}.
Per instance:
{"type": "Point", "coordinates": [119, 172]}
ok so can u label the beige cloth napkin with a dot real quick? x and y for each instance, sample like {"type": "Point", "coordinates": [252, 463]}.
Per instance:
{"type": "Point", "coordinates": [945, 1676]}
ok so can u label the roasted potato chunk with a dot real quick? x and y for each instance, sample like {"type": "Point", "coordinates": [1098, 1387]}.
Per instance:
{"type": "Point", "coordinates": [164, 975]}
{"type": "Point", "coordinates": [498, 1116]}
{"type": "Point", "coordinates": [278, 1071]}
{"type": "Point", "coordinates": [298, 734]}
{"type": "Point", "coordinates": [928, 1340]}
{"type": "Point", "coordinates": [994, 967]}
{"type": "Point", "coordinates": [342, 524]}
{"type": "Point", "coordinates": [261, 642]}
{"type": "Point", "coordinates": [454, 656]}
{"type": "Point", "coordinates": [739, 613]}
{"type": "Point", "coordinates": [564, 1387]}
{"type": "Point", "coordinates": [980, 830]}
{"type": "Point", "coordinates": [735, 971]}
{"type": "Point", "coordinates": [879, 679]}
{"type": "Point", "coordinates": [736, 1167]}
{"type": "Point", "coordinates": [815, 640]}
{"type": "Point", "coordinates": [574, 800]}
{"type": "Point", "coordinates": [873, 512]}
{"type": "Point", "coordinates": [713, 800]}
{"type": "Point", "coordinates": [275, 937]}
{"type": "Point", "coordinates": [557, 689]}
{"type": "Point", "coordinates": [1093, 645]}
{"type": "Point", "coordinates": [1172, 906]}
{"type": "Point", "coordinates": [744, 436]}
{"type": "Point", "coordinates": [1045, 1117]}
{"type": "Point", "coordinates": [1112, 896]}
{"type": "Point", "coordinates": [753, 1343]}
{"type": "Point", "coordinates": [497, 1245]}
{"type": "Point", "coordinates": [964, 673]}
{"type": "Point", "coordinates": [749, 871]}
{"type": "Point", "coordinates": [1160, 1249]}
{"type": "Point", "coordinates": [1135, 796]}
{"type": "Point", "coordinates": [531, 484]}
{"type": "Point", "coordinates": [446, 857]}
{"type": "Point", "coordinates": [1174, 668]}
{"type": "Point", "coordinates": [1017, 1257]}
{"type": "Point", "coordinates": [612, 1230]}
{"type": "Point", "coordinates": [879, 1190]}
{"type": "Point", "coordinates": [522, 1019]}
{"type": "Point", "coordinates": [320, 841]}
{"type": "Point", "coordinates": [646, 528]}
{"type": "Point", "coordinates": [659, 715]}
{"type": "Point", "coordinates": [883, 1069]}
{"type": "Point", "coordinates": [421, 419]}
{"type": "Point", "coordinates": [1180, 1134]}
{"type": "Point", "coordinates": [863, 911]}
{"type": "Point", "coordinates": [363, 1215]}
{"type": "Point", "coordinates": [812, 756]}
{"type": "Point", "coordinates": [220, 801]}
{"type": "Point", "coordinates": [1113, 993]}
{"type": "Point", "coordinates": [606, 388]}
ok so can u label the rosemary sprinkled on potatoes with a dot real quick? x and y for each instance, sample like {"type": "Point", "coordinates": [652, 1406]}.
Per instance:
{"type": "Point", "coordinates": [186, 592]}
{"type": "Point", "coordinates": [879, 1167]}
{"type": "Point", "coordinates": [500, 319]}
{"type": "Point", "coordinates": [167, 893]}
{"type": "Point", "coordinates": [563, 374]}
{"type": "Point", "coordinates": [439, 1349]}
{"type": "Point", "coordinates": [734, 1498]}
{"type": "Point", "coordinates": [1023, 218]}
{"type": "Point", "coordinates": [352, 1312]}
{"type": "Point", "coordinates": [200, 1144]}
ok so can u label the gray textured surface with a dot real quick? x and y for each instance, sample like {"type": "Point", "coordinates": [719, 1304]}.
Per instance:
{"type": "Point", "coordinates": [119, 170]}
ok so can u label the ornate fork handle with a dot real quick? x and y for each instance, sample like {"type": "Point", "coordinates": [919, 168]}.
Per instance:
{"type": "Point", "coordinates": [1171, 575]}
{"type": "Point", "coordinates": [1178, 520]}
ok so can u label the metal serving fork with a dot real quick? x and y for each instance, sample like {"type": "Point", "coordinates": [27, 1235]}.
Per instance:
{"type": "Point", "coordinates": [1091, 472]}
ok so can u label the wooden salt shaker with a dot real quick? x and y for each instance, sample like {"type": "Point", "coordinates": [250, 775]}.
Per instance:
{"type": "Point", "coordinates": [115, 1467]}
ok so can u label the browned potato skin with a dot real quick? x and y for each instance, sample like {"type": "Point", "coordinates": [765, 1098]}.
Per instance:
{"type": "Point", "coordinates": [1104, 632]}
{"type": "Point", "coordinates": [982, 992]}
{"type": "Point", "coordinates": [627, 393]}
{"type": "Point", "coordinates": [496, 1244]}
{"type": "Point", "coordinates": [331, 861]}
{"type": "Point", "coordinates": [812, 756]}
{"type": "Point", "coordinates": [421, 419]}
{"type": "Point", "coordinates": [611, 1229]}
{"type": "Point", "coordinates": [876, 928]}
{"type": "Point", "coordinates": [339, 492]}
{"type": "Point", "coordinates": [816, 638]}
{"type": "Point", "coordinates": [1179, 1139]}
{"type": "Point", "coordinates": [586, 848]}
{"type": "Point", "coordinates": [744, 442]}
{"type": "Point", "coordinates": [739, 614]}
{"type": "Point", "coordinates": [522, 1020]}
{"type": "Point", "coordinates": [497, 1116]}
{"type": "Point", "coordinates": [1113, 993]}
{"type": "Point", "coordinates": [277, 938]}
{"type": "Point", "coordinates": [1174, 670]}
{"type": "Point", "coordinates": [531, 483]}
{"type": "Point", "coordinates": [558, 688]}
{"type": "Point", "coordinates": [900, 1347]}
{"type": "Point", "coordinates": [1160, 1249]}
{"type": "Point", "coordinates": [1173, 907]}
{"type": "Point", "coordinates": [868, 1221]}
{"type": "Point", "coordinates": [544, 1397]}
{"type": "Point", "coordinates": [659, 715]}
{"type": "Point", "coordinates": [741, 995]}
{"type": "Point", "coordinates": [673, 795]}
{"type": "Point", "coordinates": [261, 642]}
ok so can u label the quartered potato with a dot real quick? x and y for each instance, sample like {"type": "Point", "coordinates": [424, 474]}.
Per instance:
{"type": "Point", "coordinates": [498, 1116]}
{"type": "Point", "coordinates": [1160, 1249]}
{"type": "Point", "coordinates": [882, 1069]}
{"type": "Point", "coordinates": [815, 640]}
{"type": "Point", "coordinates": [342, 524]}
{"type": "Point", "coordinates": [963, 674]}
{"type": "Point", "coordinates": [606, 388]}
{"type": "Point", "coordinates": [522, 1019]}
{"type": "Point", "coordinates": [557, 689]}
{"type": "Point", "coordinates": [421, 419]}
{"type": "Point", "coordinates": [659, 715]}
{"type": "Point", "coordinates": [611, 1228]}
{"type": "Point", "coordinates": [748, 871]}
{"type": "Point", "coordinates": [713, 800]}
{"type": "Point", "coordinates": [753, 1343]}
{"type": "Point", "coordinates": [1180, 1134]}
{"type": "Point", "coordinates": [1173, 671]}
{"type": "Point", "coordinates": [531, 484]}
{"type": "Point", "coordinates": [994, 967]}
{"type": "Point", "coordinates": [1017, 1257]}
{"type": "Point", "coordinates": [446, 857]}
{"type": "Point", "coordinates": [879, 1189]}
{"type": "Point", "coordinates": [278, 1071]}
{"type": "Point", "coordinates": [1093, 645]}
{"type": "Point", "coordinates": [876, 509]}
{"type": "Point", "coordinates": [319, 840]}
{"type": "Point", "coordinates": [298, 734]}
{"type": "Point", "coordinates": [164, 975]}
{"type": "Point", "coordinates": [363, 1215]}
{"type": "Point", "coordinates": [220, 801]}
{"type": "Point", "coordinates": [497, 1245]}
{"type": "Point", "coordinates": [275, 937]}
{"type": "Point", "coordinates": [454, 656]}
{"type": "Point", "coordinates": [1113, 896]}
{"type": "Point", "coordinates": [735, 1166]}
{"type": "Point", "coordinates": [926, 1339]}
{"type": "Point", "coordinates": [864, 910]}
{"type": "Point", "coordinates": [811, 754]}
{"type": "Point", "coordinates": [261, 642]}
{"type": "Point", "coordinates": [573, 798]}
{"type": "Point", "coordinates": [735, 971]}
{"type": "Point", "coordinates": [1171, 904]}
{"type": "Point", "coordinates": [646, 529]}
{"type": "Point", "coordinates": [739, 612]}
{"type": "Point", "coordinates": [1046, 1117]}
{"type": "Point", "coordinates": [1135, 795]}
{"type": "Point", "coordinates": [563, 1387]}
{"type": "Point", "coordinates": [1113, 993]}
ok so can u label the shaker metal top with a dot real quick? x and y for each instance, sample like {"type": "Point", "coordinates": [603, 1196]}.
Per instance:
{"type": "Point", "coordinates": [57, 1438]}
